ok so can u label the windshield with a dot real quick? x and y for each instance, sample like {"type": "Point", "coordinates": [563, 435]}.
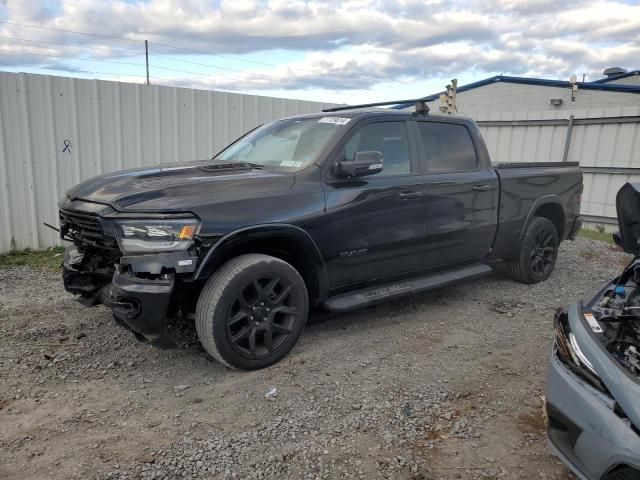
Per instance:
{"type": "Point", "coordinates": [286, 144]}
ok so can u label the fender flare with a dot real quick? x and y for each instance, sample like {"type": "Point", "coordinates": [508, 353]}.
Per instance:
{"type": "Point", "coordinates": [267, 230]}
{"type": "Point", "coordinates": [546, 200]}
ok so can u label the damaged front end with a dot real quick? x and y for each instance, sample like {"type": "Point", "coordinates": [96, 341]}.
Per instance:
{"type": "Point", "coordinates": [615, 312]}
{"type": "Point", "coordinates": [593, 384]}
{"type": "Point", "coordinates": [614, 316]}
{"type": "Point", "coordinates": [135, 265]}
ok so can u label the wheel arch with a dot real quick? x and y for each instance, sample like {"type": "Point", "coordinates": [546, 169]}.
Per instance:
{"type": "Point", "coordinates": [549, 207]}
{"type": "Point", "coordinates": [287, 242]}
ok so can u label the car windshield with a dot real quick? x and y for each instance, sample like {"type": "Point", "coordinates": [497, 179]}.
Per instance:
{"type": "Point", "coordinates": [288, 145]}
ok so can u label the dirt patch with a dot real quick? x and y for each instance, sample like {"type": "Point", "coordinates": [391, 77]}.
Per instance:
{"type": "Point", "coordinates": [443, 385]}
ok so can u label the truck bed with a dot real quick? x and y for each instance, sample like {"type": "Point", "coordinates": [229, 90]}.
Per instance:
{"type": "Point", "coordinates": [527, 187]}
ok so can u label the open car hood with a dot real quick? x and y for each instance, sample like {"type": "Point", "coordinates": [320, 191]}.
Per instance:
{"type": "Point", "coordinates": [628, 209]}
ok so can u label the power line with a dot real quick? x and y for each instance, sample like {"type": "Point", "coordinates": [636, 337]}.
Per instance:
{"type": "Point", "coordinates": [67, 58]}
{"type": "Point", "coordinates": [245, 80]}
{"type": "Point", "coordinates": [20, 39]}
{"type": "Point", "coordinates": [200, 52]}
{"type": "Point", "coordinates": [112, 61]}
{"type": "Point", "coordinates": [197, 63]}
{"type": "Point", "coordinates": [86, 71]}
{"type": "Point", "coordinates": [68, 31]}
{"type": "Point", "coordinates": [75, 45]}
{"type": "Point", "coordinates": [129, 40]}
{"type": "Point", "coordinates": [130, 52]}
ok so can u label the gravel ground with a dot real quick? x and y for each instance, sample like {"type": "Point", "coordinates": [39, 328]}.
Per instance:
{"type": "Point", "coordinates": [439, 386]}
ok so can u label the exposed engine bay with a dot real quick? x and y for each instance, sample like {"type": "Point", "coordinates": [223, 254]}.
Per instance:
{"type": "Point", "coordinates": [617, 312]}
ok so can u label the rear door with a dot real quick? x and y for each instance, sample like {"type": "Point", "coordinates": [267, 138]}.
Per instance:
{"type": "Point", "coordinates": [376, 222]}
{"type": "Point", "coordinates": [461, 203]}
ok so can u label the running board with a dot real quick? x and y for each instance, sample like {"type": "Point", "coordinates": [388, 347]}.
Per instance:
{"type": "Point", "coordinates": [389, 291]}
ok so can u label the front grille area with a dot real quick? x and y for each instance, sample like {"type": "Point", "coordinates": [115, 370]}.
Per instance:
{"type": "Point", "coordinates": [84, 228]}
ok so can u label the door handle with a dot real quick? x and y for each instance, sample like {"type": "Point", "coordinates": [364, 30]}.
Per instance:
{"type": "Point", "coordinates": [444, 182]}
{"type": "Point", "coordinates": [410, 195]}
{"type": "Point", "coordinates": [481, 188]}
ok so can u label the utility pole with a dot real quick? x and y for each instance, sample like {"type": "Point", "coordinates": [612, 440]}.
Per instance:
{"type": "Point", "coordinates": [146, 56]}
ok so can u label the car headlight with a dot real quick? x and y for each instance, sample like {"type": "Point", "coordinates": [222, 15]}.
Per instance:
{"type": "Point", "coordinates": [161, 235]}
{"type": "Point", "coordinates": [568, 350]}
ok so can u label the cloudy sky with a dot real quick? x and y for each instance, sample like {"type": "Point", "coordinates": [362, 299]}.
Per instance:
{"type": "Point", "coordinates": [338, 51]}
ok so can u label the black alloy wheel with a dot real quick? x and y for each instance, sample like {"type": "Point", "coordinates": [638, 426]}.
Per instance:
{"type": "Point", "coordinates": [252, 311]}
{"type": "Point", "coordinates": [263, 316]}
{"type": "Point", "coordinates": [543, 252]}
{"type": "Point", "coordinates": [536, 255]}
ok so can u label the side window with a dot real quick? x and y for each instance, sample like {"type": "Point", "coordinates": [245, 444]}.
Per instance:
{"type": "Point", "coordinates": [388, 138]}
{"type": "Point", "coordinates": [447, 148]}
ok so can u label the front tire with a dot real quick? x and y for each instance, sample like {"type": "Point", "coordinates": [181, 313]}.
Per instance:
{"type": "Point", "coordinates": [252, 311]}
{"type": "Point", "coordinates": [537, 253]}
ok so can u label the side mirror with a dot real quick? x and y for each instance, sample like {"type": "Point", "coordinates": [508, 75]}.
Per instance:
{"type": "Point", "coordinates": [363, 163]}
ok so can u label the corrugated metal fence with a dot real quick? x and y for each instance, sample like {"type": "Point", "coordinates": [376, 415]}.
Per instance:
{"type": "Point", "coordinates": [56, 132]}
{"type": "Point", "coordinates": [606, 143]}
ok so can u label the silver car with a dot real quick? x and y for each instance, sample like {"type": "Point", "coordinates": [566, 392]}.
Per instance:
{"type": "Point", "coordinates": [593, 398]}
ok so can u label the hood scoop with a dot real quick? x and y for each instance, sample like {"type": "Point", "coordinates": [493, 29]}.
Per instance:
{"type": "Point", "coordinates": [227, 166]}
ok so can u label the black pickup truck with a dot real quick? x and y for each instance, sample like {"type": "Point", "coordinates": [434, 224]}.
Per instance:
{"type": "Point", "coordinates": [338, 209]}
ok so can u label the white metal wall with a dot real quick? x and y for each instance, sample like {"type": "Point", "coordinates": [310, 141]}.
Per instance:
{"type": "Point", "coordinates": [110, 126]}
{"type": "Point", "coordinates": [613, 145]}
{"type": "Point", "coordinates": [503, 96]}
{"type": "Point", "coordinates": [58, 131]}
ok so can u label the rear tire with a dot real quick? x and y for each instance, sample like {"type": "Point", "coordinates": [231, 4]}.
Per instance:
{"type": "Point", "coordinates": [252, 311]}
{"type": "Point", "coordinates": [537, 253]}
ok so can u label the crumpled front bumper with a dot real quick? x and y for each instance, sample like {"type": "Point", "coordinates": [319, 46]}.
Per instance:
{"type": "Point", "coordinates": [139, 303]}
{"type": "Point", "coordinates": [584, 429]}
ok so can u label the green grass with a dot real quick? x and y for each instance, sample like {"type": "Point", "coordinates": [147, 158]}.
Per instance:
{"type": "Point", "coordinates": [596, 235]}
{"type": "Point", "coordinates": [49, 259]}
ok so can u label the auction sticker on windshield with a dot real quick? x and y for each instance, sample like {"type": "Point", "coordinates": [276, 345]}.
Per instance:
{"type": "Point", "coordinates": [291, 163]}
{"type": "Point", "coordinates": [334, 120]}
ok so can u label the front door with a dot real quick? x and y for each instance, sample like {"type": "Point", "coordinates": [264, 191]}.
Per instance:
{"type": "Point", "coordinates": [376, 222]}
{"type": "Point", "coordinates": [461, 203]}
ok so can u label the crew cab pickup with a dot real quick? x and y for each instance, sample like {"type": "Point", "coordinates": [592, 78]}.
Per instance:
{"type": "Point", "coordinates": [339, 210]}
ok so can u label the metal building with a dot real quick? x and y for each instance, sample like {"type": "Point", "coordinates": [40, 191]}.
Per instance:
{"type": "Point", "coordinates": [520, 94]}
{"type": "Point", "coordinates": [537, 120]}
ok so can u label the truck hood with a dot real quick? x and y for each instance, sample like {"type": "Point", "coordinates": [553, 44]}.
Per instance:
{"type": "Point", "coordinates": [178, 185]}
{"type": "Point", "coordinates": [628, 209]}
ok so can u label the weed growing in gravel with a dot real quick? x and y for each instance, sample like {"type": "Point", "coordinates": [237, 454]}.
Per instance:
{"type": "Point", "coordinates": [596, 235]}
{"type": "Point", "coordinates": [50, 258]}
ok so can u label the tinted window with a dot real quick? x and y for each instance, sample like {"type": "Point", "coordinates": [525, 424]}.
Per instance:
{"type": "Point", "coordinates": [388, 138]}
{"type": "Point", "coordinates": [447, 148]}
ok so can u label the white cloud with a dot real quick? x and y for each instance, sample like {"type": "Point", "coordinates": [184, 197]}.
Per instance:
{"type": "Point", "coordinates": [351, 44]}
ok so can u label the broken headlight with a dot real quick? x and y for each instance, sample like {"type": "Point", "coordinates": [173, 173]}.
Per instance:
{"type": "Point", "coordinates": [151, 236]}
{"type": "Point", "coordinates": [569, 352]}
